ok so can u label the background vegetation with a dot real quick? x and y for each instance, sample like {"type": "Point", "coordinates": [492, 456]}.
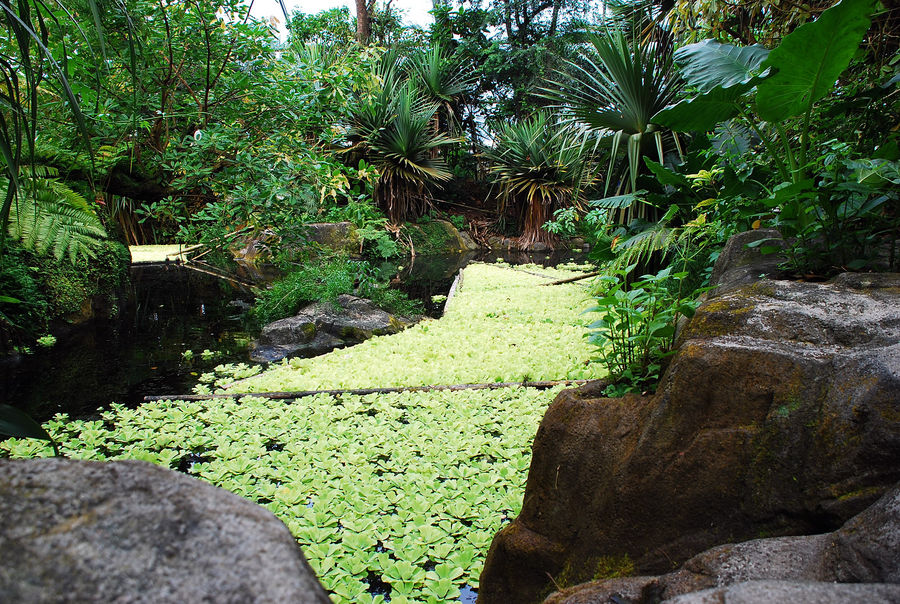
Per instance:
{"type": "Point", "coordinates": [652, 129]}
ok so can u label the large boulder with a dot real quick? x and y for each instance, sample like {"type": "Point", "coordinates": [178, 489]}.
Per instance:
{"type": "Point", "coordinates": [858, 562]}
{"type": "Point", "coordinates": [129, 531]}
{"type": "Point", "coordinates": [324, 326]}
{"type": "Point", "coordinates": [779, 415]}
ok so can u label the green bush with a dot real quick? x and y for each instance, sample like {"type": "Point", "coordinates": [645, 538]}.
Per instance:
{"type": "Point", "coordinates": [324, 281]}
{"type": "Point", "coordinates": [636, 329]}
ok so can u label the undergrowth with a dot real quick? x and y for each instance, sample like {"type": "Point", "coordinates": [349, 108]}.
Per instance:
{"type": "Point", "coordinates": [35, 290]}
{"type": "Point", "coordinates": [323, 280]}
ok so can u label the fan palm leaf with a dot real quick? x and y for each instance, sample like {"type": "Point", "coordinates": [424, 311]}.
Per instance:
{"type": "Point", "coordinates": [615, 88]}
{"type": "Point", "coordinates": [394, 130]}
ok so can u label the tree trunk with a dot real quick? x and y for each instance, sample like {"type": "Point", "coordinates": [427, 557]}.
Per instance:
{"type": "Point", "coordinates": [363, 28]}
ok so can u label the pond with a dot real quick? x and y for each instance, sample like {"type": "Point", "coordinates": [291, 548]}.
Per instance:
{"type": "Point", "coordinates": [172, 314]}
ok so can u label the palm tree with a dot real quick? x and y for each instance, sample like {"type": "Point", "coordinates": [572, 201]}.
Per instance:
{"type": "Point", "coordinates": [615, 88]}
{"type": "Point", "coordinates": [393, 130]}
{"type": "Point", "coordinates": [443, 81]}
{"type": "Point", "coordinates": [541, 167]}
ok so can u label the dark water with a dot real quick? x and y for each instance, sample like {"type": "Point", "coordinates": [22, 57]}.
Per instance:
{"type": "Point", "coordinates": [168, 310]}
{"type": "Point", "coordinates": [171, 310]}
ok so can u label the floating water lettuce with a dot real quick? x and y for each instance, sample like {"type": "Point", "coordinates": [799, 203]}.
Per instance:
{"type": "Point", "coordinates": [500, 326]}
{"type": "Point", "coordinates": [403, 491]}
{"type": "Point", "coordinates": [391, 496]}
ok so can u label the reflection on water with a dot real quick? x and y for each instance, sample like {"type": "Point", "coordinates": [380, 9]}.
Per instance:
{"type": "Point", "coordinates": [169, 310]}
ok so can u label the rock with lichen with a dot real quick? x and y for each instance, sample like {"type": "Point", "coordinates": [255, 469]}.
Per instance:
{"type": "Point", "coordinates": [130, 531]}
{"type": "Point", "coordinates": [779, 415]}
{"type": "Point", "coordinates": [324, 326]}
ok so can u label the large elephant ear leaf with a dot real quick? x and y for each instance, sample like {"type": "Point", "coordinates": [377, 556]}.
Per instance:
{"type": "Point", "coordinates": [703, 112]}
{"type": "Point", "coordinates": [708, 64]}
{"type": "Point", "coordinates": [810, 59]}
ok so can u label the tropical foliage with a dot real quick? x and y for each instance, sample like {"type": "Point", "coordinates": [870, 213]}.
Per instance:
{"type": "Point", "coordinates": [48, 215]}
{"type": "Point", "coordinates": [398, 130]}
{"type": "Point", "coordinates": [616, 88]}
{"type": "Point", "coordinates": [655, 130]}
{"type": "Point", "coordinates": [541, 167]}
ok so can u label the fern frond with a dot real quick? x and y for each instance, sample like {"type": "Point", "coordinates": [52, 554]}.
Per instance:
{"type": "Point", "coordinates": [54, 217]}
{"type": "Point", "coordinates": [640, 247]}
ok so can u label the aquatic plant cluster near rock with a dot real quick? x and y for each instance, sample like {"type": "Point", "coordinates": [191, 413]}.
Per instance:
{"type": "Point", "coordinates": [393, 495]}
{"type": "Point", "coordinates": [502, 325]}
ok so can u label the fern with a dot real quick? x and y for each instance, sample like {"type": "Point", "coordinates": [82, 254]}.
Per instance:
{"type": "Point", "coordinates": [663, 239]}
{"type": "Point", "coordinates": [50, 216]}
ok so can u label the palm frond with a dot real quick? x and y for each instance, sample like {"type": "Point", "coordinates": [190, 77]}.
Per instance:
{"type": "Point", "coordinates": [541, 166]}
{"type": "Point", "coordinates": [394, 129]}
{"type": "Point", "coordinates": [615, 88]}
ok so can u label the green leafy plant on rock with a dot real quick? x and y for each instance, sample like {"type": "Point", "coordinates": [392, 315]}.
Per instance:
{"type": "Point", "coordinates": [636, 329]}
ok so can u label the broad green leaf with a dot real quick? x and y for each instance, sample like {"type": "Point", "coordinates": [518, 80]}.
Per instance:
{"type": "Point", "coordinates": [810, 59]}
{"type": "Point", "coordinates": [16, 423]}
{"type": "Point", "coordinates": [710, 64]}
{"type": "Point", "coordinates": [703, 112]}
{"type": "Point", "coordinates": [664, 176]}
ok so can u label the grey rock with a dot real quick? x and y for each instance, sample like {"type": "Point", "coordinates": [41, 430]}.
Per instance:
{"type": "Point", "coordinates": [867, 548]}
{"type": "Point", "coordinates": [467, 243]}
{"type": "Point", "coordinates": [496, 242]}
{"type": "Point", "coordinates": [628, 589]}
{"type": "Point", "coordinates": [767, 592]}
{"type": "Point", "coordinates": [455, 240]}
{"type": "Point", "coordinates": [255, 248]}
{"type": "Point", "coordinates": [803, 569]}
{"type": "Point", "coordinates": [130, 531]}
{"type": "Point", "coordinates": [324, 326]}
{"type": "Point", "coordinates": [740, 265]}
{"type": "Point", "coordinates": [781, 558]}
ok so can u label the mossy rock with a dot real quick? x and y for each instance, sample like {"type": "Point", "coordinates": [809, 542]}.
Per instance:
{"type": "Point", "coordinates": [437, 237]}
{"type": "Point", "coordinates": [778, 413]}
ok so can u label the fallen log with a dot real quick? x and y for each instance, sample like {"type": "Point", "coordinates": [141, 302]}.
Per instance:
{"type": "Point", "coordinates": [571, 279]}
{"type": "Point", "coordinates": [362, 391]}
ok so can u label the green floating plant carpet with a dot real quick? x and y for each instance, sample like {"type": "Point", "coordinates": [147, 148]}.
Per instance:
{"type": "Point", "coordinates": [391, 496]}
{"type": "Point", "coordinates": [500, 326]}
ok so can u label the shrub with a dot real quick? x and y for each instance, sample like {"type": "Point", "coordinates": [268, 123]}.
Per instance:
{"type": "Point", "coordinates": [324, 281]}
{"type": "Point", "coordinates": [636, 329]}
